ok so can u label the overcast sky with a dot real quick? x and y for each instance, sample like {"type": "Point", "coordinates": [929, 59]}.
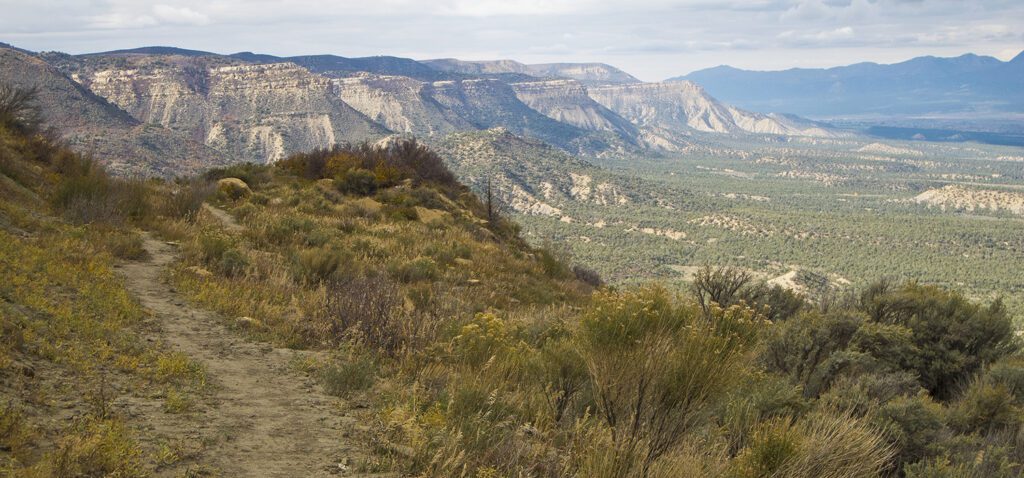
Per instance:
{"type": "Point", "coordinates": [652, 39]}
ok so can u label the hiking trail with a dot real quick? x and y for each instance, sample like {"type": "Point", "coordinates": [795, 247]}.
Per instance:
{"type": "Point", "coordinates": [267, 418]}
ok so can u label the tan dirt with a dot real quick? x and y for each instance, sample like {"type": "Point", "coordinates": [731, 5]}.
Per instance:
{"type": "Point", "coordinates": [265, 418]}
{"type": "Point", "coordinates": [227, 220]}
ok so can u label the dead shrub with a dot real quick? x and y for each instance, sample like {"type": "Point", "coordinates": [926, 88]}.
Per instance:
{"type": "Point", "coordinates": [368, 309]}
{"type": "Point", "coordinates": [185, 201]}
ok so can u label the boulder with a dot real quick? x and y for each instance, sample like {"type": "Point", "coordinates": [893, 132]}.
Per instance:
{"type": "Point", "coordinates": [232, 188]}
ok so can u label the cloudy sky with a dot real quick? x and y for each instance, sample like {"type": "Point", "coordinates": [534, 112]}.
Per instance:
{"type": "Point", "coordinates": [652, 39]}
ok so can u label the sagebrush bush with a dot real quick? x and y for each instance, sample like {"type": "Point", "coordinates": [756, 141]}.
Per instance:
{"type": "Point", "coordinates": [123, 244]}
{"type": "Point", "coordinates": [342, 378]}
{"type": "Point", "coordinates": [656, 366]}
{"type": "Point", "coordinates": [89, 195]}
{"type": "Point", "coordinates": [986, 407]}
{"type": "Point", "coordinates": [318, 264]}
{"type": "Point", "coordinates": [415, 270]}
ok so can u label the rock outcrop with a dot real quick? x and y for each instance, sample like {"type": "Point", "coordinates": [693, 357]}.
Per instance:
{"type": "Point", "coordinates": [567, 101]}
{"type": "Point", "coordinates": [254, 112]}
{"type": "Point", "coordinates": [684, 106]}
{"type": "Point", "coordinates": [963, 199]}
{"type": "Point", "coordinates": [402, 104]}
{"type": "Point", "coordinates": [529, 176]}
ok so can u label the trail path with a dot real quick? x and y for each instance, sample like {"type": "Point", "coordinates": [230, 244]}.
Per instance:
{"type": "Point", "coordinates": [268, 420]}
{"type": "Point", "coordinates": [226, 220]}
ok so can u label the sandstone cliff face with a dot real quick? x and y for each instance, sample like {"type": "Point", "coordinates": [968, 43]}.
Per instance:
{"type": "Point", "coordinates": [452, 65]}
{"type": "Point", "coordinates": [93, 126]}
{"type": "Point", "coordinates": [588, 73]}
{"type": "Point", "coordinates": [402, 104]}
{"type": "Point", "coordinates": [252, 107]}
{"type": "Point", "coordinates": [683, 106]}
{"type": "Point", "coordinates": [489, 103]}
{"type": "Point", "coordinates": [567, 101]}
{"type": "Point", "coordinates": [252, 112]}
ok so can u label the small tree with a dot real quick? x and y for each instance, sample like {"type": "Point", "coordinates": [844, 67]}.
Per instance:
{"type": "Point", "coordinates": [721, 286]}
{"type": "Point", "coordinates": [18, 108]}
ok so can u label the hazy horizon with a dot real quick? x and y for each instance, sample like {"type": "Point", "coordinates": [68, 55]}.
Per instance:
{"type": "Point", "coordinates": [651, 39]}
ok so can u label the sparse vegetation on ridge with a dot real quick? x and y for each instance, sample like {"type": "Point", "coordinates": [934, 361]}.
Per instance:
{"type": "Point", "coordinates": [476, 354]}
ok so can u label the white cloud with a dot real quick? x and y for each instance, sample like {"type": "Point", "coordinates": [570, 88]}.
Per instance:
{"type": "Point", "coordinates": [650, 38]}
{"type": "Point", "coordinates": [179, 15]}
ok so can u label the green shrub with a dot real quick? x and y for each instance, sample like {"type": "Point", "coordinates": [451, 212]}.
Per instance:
{"type": "Point", "coordinates": [954, 337]}
{"type": "Point", "coordinates": [359, 182]}
{"type": "Point", "coordinates": [123, 244]}
{"type": "Point", "coordinates": [772, 446]}
{"type": "Point", "coordinates": [343, 378]}
{"type": "Point", "coordinates": [219, 252]}
{"type": "Point", "coordinates": [986, 408]}
{"type": "Point", "coordinates": [233, 263]}
{"type": "Point", "coordinates": [401, 213]}
{"type": "Point", "coordinates": [317, 265]}
{"type": "Point", "coordinates": [283, 230]}
{"type": "Point", "coordinates": [833, 445]}
{"type": "Point", "coordinates": [553, 265]}
{"type": "Point", "coordinates": [656, 366]}
{"type": "Point", "coordinates": [564, 374]}
{"type": "Point", "coordinates": [1009, 373]}
{"type": "Point", "coordinates": [914, 426]}
{"type": "Point", "coordinates": [415, 270]}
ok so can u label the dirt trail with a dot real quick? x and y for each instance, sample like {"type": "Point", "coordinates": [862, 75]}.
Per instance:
{"type": "Point", "coordinates": [267, 420]}
{"type": "Point", "coordinates": [227, 220]}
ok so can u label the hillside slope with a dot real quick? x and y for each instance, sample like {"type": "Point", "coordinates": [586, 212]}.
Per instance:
{"type": "Point", "coordinates": [92, 125]}
{"type": "Point", "coordinates": [528, 176]}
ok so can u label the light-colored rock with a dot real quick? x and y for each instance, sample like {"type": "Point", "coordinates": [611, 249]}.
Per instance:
{"type": "Point", "coordinates": [199, 271]}
{"type": "Point", "coordinates": [232, 188]}
{"type": "Point", "coordinates": [970, 199]}
{"type": "Point", "coordinates": [683, 106]}
{"type": "Point", "coordinates": [248, 323]}
{"type": "Point", "coordinates": [255, 112]}
{"type": "Point", "coordinates": [430, 216]}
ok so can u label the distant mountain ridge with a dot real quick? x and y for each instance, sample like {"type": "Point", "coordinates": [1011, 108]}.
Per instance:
{"type": "Point", "coordinates": [924, 85]}
{"type": "Point", "coordinates": [92, 125]}
{"type": "Point", "coordinates": [588, 73]}
{"type": "Point", "coordinates": [255, 107]}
